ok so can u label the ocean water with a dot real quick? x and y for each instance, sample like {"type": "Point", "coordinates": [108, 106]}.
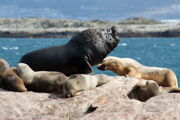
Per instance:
{"type": "Point", "coordinates": [155, 52]}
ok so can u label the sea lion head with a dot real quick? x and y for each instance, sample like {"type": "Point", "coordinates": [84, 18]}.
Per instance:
{"type": "Point", "coordinates": [68, 90]}
{"type": "Point", "coordinates": [23, 67]}
{"type": "Point", "coordinates": [109, 63]}
{"type": "Point", "coordinates": [103, 40]}
{"type": "Point", "coordinates": [153, 88]}
{"type": "Point", "coordinates": [71, 85]}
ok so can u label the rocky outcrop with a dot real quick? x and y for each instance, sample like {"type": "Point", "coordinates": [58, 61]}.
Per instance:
{"type": "Point", "coordinates": [108, 101]}
{"type": "Point", "coordinates": [140, 20]}
{"type": "Point", "coordinates": [60, 28]}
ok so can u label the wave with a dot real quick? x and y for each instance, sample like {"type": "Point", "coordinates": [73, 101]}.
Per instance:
{"type": "Point", "coordinates": [10, 48]}
{"type": "Point", "coordinates": [123, 44]}
{"type": "Point", "coordinates": [173, 44]}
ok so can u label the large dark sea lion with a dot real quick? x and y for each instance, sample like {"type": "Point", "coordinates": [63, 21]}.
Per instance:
{"type": "Point", "coordinates": [83, 51]}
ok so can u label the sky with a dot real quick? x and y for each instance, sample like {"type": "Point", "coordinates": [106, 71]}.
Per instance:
{"type": "Point", "coordinates": [112, 10]}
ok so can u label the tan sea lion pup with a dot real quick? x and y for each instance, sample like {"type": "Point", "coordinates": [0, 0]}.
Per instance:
{"type": "Point", "coordinates": [79, 82]}
{"type": "Point", "coordinates": [122, 66]}
{"type": "Point", "coordinates": [146, 89]}
{"type": "Point", "coordinates": [11, 81]}
{"type": "Point", "coordinates": [42, 81]}
{"type": "Point", "coordinates": [154, 89]}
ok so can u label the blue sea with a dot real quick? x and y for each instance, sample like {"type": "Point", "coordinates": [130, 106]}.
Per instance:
{"type": "Point", "coordinates": [155, 52]}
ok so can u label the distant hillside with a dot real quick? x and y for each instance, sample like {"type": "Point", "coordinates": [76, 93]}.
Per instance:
{"type": "Point", "coordinates": [29, 23]}
{"type": "Point", "coordinates": [113, 10]}
{"type": "Point", "coordinates": [42, 27]}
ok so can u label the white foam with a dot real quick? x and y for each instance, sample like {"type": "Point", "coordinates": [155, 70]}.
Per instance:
{"type": "Point", "coordinates": [15, 48]}
{"type": "Point", "coordinates": [123, 44]}
{"type": "Point", "coordinates": [173, 44]}
{"type": "Point", "coordinates": [11, 48]}
{"type": "Point", "coordinates": [5, 48]}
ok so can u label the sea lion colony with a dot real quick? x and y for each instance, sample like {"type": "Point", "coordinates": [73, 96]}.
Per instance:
{"type": "Point", "coordinates": [34, 75]}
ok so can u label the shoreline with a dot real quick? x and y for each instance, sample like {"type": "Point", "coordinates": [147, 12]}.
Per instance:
{"type": "Point", "coordinates": [70, 34]}
{"type": "Point", "coordinates": [65, 28]}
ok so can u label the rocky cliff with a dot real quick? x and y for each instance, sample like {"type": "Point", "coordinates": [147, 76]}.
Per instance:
{"type": "Point", "coordinates": [41, 27]}
{"type": "Point", "coordinates": [109, 101]}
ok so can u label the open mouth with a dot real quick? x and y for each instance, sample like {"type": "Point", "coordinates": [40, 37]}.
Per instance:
{"type": "Point", "coordinates": [115, 33]}
{"type": "Point", "coordinates": [101, 67]}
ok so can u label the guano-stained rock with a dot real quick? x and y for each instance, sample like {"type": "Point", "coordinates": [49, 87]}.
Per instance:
{"type": "Point", "coordinates": [108, 101]}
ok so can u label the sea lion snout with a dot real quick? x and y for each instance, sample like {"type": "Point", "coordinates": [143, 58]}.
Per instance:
{"type": "Point", "coordinates": [114, 30]}
{"type": "Point", "coordinates": [69, 93]}
{"type": "Point", "coordinates": [101, 67]}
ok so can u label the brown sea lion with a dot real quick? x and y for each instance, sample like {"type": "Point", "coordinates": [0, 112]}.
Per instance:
{"type": "Point", "coordinates": [41, 81]}
{"type": "Point", "coordinates": [146, 89]}
{"type": "Point", "coordinates": [11, 81]}
{"type": "Point", "coordinates": [4, 65]}
{"type": "Point", "coordinates": [122, 66]}
{"type": "Point", "coordinates": [79, 82]}
{"type": "Point", "coordinates": [154, 89]}
{"type": "Point", "coordinates": [86, 49]}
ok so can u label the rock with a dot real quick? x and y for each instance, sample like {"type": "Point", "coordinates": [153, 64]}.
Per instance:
{"type": "Point", "coordinates": [163, 107]}
{"type": "Point", "coordinates": [108, 101]}
{"type": "Point", "coordinates": [119, 109]}
{"type": "Point", "coordinates": [138, 20]}
{"type": "Point", "coordinates": [116, 88]}
{"type": "Point", "coordinates": [34, 105]}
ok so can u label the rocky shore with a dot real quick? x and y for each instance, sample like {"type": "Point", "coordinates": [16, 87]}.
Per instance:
{"type": "Point", "coordinates": [47, 28]}
{"type": "Point", "coordinates": [109, 101]}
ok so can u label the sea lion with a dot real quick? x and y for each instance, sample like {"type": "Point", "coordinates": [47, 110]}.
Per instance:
{"type": "Point", "coordinates": [86, 49]}
{"type": "Point", "coordinates": [153, 89]}
{"type": "Point", "coordinates": [4, 65]}
{"type": "Point", "coordinates": [79, 82]}
{"type": "Point", "coordinates": [146, 89]}
{"type": "Point", "coordinates": [122, 66]}
{"type": "Point", "coordinates": [11, 81]}
{"type": "Point", "coordinates": [41, 81]}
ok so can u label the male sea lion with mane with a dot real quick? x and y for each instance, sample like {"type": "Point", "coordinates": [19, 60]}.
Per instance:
{"type": "Point", "coordinates": [122, 66]}
{"type": "Point", "coordinates": [41, 81]}
{"type": "Point", "coordinates": [86, 49]}
{"type": "Point", "coordinates": [146, 89]}
{"type": "Point", "coordinates": [79, 82]}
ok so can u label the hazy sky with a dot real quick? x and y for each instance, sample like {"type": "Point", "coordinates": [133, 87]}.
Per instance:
{"type": "Point", "coordinates": [91, 9]}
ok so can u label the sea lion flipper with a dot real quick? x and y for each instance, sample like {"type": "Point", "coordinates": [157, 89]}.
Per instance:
{"type": "Point", "coordinates": [87, 69]}
{"type": "Point", "coordinates": [81, 66]}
